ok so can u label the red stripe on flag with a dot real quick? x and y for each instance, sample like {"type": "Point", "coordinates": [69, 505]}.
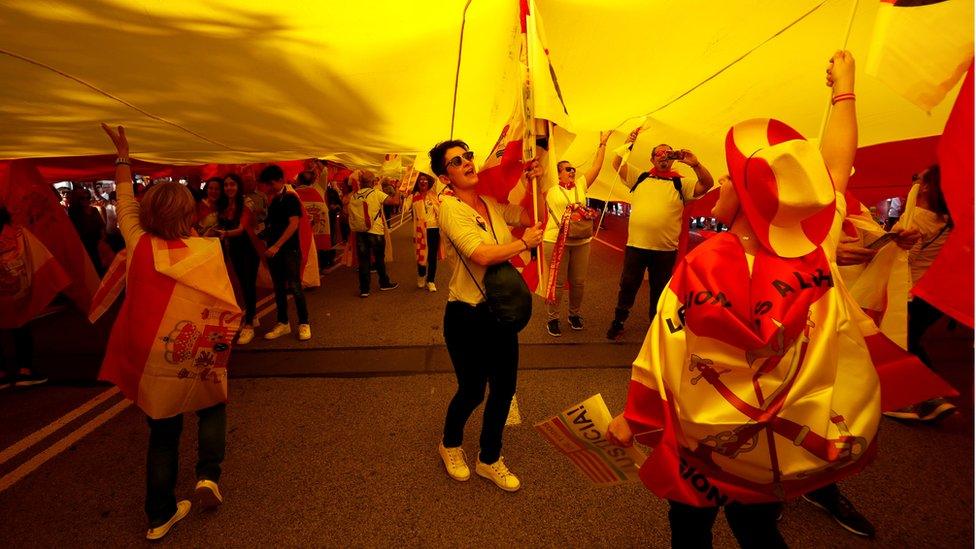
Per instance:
{"type": "Point", "coordinates": [562, 427]}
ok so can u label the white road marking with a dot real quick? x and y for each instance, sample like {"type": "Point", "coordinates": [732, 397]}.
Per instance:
{"type": "Point", "coordinates": [607, 244]}
{"type": "Point", "coordinates": [32, 439]}
{"type": "Point", "coordinates": [31, 465]}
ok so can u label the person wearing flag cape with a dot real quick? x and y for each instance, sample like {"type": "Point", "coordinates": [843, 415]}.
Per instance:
{"type": "Point", "coordinates": [171, 341]}
{"type": "Point", "coordinates": [754, 384]}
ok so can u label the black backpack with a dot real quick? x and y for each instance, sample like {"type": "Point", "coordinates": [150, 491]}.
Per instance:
{"type": "Point", "coordinates": [676, 181]}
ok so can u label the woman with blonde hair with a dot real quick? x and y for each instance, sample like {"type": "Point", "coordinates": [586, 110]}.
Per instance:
{"type": "Point", "coordinates": [169, 346]}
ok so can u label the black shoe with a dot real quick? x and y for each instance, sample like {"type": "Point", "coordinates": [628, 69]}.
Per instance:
{"type": "Point", "coordinates": [935, 410]}
{"type": "Point", "coordinates": [576, 322]}
{"type": "Point", "coordinates": [616, 328]}
{"type": "Point", "coordinates": [26, 380]}
{"type": "Point", "coordinates": [843, 512]}
{"type": "Point", "coordinates": [390, 286]}
{"type": "Point", "coordinates": [553, 328]}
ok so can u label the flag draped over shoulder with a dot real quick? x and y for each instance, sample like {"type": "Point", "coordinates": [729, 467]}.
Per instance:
{"type": "Point", "coordinates": [32, 204]}
{"type": "Point", "coordinates": [313, 198]}
{"type": "Point", "coordinates": [754, 387]}
{"type": "Point", "coordinates": [306, 242]}
{"type": "Point", "coordinates": [921, 48]}
{"type": "Point", "coordinates": [30, 277]}
{"type": "Point", "coordinates": [170, 344]}
{"type": "Point", "coordinates": [948, 284]}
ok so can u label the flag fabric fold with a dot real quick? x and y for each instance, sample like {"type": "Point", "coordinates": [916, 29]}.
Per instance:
{"type": "Point", "coordinates": [30, 277]}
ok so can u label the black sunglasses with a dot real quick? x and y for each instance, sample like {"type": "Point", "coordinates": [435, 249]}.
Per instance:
{"type": "Point", "coordinates": [569, 169]}
{"type": "Point", "coordinates": [459, 159]}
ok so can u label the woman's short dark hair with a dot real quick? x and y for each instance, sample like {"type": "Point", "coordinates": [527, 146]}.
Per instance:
{"type": "Point", "coordinates": [271, 173]}
{"type": "Point", "coordinates": [933, 178]}
{"type": "Point", "coordinates": [437, 161]}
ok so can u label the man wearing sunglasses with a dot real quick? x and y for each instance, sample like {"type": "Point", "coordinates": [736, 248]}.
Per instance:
{"type": "Point", "coordinates": [570, 189]}
{"type": "Point", "coordinates": [657, 201]}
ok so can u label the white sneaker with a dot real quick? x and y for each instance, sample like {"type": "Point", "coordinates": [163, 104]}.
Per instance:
{"type": "Point", "coordinates": [304, 332]}
{"type": "Point", "coordinates": [207, 495]}
{"type": "Point", "coordinates": [182, 508]}
{"type": "Point", "coordinates": [499, 474]}
{"type": "Point", "coordinates": [247, 334]}
{"type": "Point", "coordinates": [455, 462]}
{"type": "Point", "coordinates": [431, 287]}
{"type": "Point", "coordinates": [421, 281]}
{"type": "Point", "coordinates": [278, 331]}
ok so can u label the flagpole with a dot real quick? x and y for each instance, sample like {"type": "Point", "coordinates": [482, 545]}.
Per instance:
{"type": "Point", "coordinates": [457, 74]}
{"type": "Point", "coordinates": [528, 109]}
{"type": "Point", "coordinates": [623, 162]}
{"type": "Point", "coordinates": [847, 36]}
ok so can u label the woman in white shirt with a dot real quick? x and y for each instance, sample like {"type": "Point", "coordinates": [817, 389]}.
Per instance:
{"type": "Point", "coordinates": [576, 255]}
{"type": "Point", "coordinates": [482, 352]}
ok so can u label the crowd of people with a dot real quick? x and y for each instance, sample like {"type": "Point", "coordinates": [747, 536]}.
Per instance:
{"type": "Point", "coordinates": [783, 202]}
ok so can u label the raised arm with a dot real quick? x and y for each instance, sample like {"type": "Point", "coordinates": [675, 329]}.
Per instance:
{"type": "Point", "coordinates": [840, 137]}
{"type": "Point", "coordinates": [601, 152]}
{"type": "Point", "coordinates": [126, 208]}
{"type": "Point", "coordinates": [617, 159]}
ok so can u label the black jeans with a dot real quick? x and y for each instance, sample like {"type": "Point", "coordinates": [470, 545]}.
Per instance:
{"type": "Point", "coordinates": [658, 265]}
{"type": "Point", "coordinates": [483, 354]}
{"type": "Point", "coordinates": [433, 246]}
{"type": "Point", "coordinates": [921, 317]}
{"type": "Point", "coordinates": [163, 459]}
{"type": "Point", "coordinates": [286, 274]}
{"type": "Point", "coordinates": [23, 340]}
{"type": "Point", "coordinates": [754, 526]}
{"type": "Point", "coordinates": [371, 250]}
{"type": "Point", "coordinates": [245, 261]}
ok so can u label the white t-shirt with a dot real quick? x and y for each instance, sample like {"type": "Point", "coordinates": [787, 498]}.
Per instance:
{"type": "Point", "coordinates": [655, 212]}
{"type": "Point", "coordinates": [557, 200]}
{"type": "Point", "coordinates": [467, 230]}
{"type": "Point", "coordinates": [431, 204]}
{"type": "Point", "coordinates": [373, 198]}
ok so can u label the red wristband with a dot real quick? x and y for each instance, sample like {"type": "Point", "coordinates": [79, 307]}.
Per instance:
{"type": "Point", "coordinates": [842, 97]}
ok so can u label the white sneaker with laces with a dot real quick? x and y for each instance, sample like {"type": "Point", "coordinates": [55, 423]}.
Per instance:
{"type": "Point", "coordinates": [421, 281]}
{"type": "Point", "coordinates": [207, 495]}
{"type": "Point", "coordinates": [278, 331]}
{"type": "Point", "coordinates": [499, 474]}
{"type": "Point", "coordinates": [431, 287]}
{"type": "Point", "coordinates": [182, 508]}
{"type": "Point", "coordinates": [455, 462]}
{"type": "Point", "coordinates": [247, 334]}
{"type": "Point", "coordinates": [304, 332]}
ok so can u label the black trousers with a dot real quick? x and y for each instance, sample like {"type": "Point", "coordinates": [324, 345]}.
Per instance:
{"type": "Point", "coordinates": [658, 265]}
{"type": "Point", "coordinates": [921, 317]}
{"type": "Point", "coordinates": [371, 252]}
{"type": "Point", "coordinates": [433, 245]}
{"type": "Point", "coordinates": [246, 261]}
{"type": "Point", "coordinates": [754, 526]}
{"type": "Point", "coordinates": [23, 341]}
{"type": "Point", "coordinates": [286, 274]}
{"type": "Point", "coordinates": [483, 354]}
{"type": "Point", "coordinates": [163, 458]}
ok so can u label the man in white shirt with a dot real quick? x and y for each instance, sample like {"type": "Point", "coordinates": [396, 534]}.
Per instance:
{"type": "Point", "coordinates": [366, 219]}
{"type": "Point", "coordinates": [657, 202]}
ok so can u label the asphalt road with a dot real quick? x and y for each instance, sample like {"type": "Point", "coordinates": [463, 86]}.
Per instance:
{"type": "Point", "coordinates": [333, 443]}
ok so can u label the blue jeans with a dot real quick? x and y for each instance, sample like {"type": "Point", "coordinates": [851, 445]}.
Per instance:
{"type": "Point", "coordinates": [163, 459]}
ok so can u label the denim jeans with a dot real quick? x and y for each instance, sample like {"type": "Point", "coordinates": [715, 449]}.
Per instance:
{"type": "Point", "coordinates": [163, 458]}
{"type": "Point", "coordinates": [658, 265]}
{"type": "Point", "coordinates": [371, 250]}
{"type": "Point", "coordinates": [286, 274]}
{"type": "Point", "coordinates": [483, 354]}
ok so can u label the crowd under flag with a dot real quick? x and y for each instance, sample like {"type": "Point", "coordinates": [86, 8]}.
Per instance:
{"type": "Point", "coordinates": [921, 48]}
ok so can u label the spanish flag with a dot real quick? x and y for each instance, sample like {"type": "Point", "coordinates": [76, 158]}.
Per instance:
{"type": "Point", "coordinates": [170, 344]}
{"type": "Point", "coordinates": [30, 277]}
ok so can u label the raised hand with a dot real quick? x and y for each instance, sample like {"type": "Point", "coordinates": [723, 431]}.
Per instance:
{"type": "Point", "coordinates": [119, 139]}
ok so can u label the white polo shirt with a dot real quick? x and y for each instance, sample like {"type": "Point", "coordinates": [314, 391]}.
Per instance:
{"type": "Point", "coordinates": [467, 230]}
